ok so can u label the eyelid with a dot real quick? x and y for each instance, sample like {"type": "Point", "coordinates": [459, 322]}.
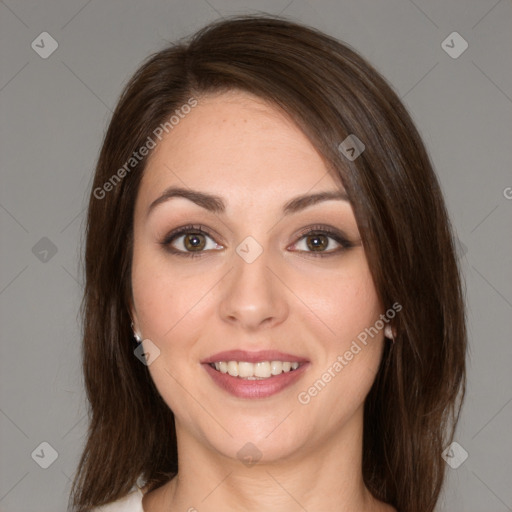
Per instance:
{"type": "Point", "coordinates": [185, 230]}
{"type": "Point", "coordinates": [189, 228]}
{"type": "Point", "coordinates": [326, 229]}
{"type": "Point", "coordinates": [334, 233]}
{"type": "Point", "coordinates": [337, 235]}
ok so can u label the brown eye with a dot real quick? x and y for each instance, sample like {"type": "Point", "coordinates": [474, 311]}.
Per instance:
{"type": "Point", "coordinates": [317, 242]}
{"type": "Point", "coordinates": [322, 241]}
{"type": "Point", "coordinates": [194, 241]}
{"type": "Point", "coordinates": [189, 241]}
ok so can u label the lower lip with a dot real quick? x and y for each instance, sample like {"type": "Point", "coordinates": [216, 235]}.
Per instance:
{"type": "Point", "coordinates": [243, 388]}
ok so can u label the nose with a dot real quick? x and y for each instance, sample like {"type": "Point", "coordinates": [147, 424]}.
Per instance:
{"type": "Point", "coordinates": [253, 297]}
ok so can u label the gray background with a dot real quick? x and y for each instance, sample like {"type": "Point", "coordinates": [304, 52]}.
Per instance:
{"type": "Point", "coordinates": [54, 113]}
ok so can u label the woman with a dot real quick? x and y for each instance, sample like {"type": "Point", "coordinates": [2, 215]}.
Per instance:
{"type": "Point", "coordinates": [273, 314]}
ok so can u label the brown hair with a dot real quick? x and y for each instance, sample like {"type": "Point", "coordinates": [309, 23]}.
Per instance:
{"type": "Point", "coordinates": [330, 92]}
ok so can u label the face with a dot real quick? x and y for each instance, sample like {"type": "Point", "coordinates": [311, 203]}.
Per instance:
{"type": "Point", "coordinates": [282, 285]}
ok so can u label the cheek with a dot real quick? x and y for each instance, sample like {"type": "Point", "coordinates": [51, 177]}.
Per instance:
{"type": "Point", "coordinates": [348, 306]}
{"type": "Point", "coordinates": [344, 302]}
{"type": "Point", "coordinates": [164, 297]}
{"type": "Point", "coordinates": [358, 308]}
{"type": "Point", "coordinates": [348, 363]}
{"type": "Point", "coordinates": [170, 313]}
{"type": "Point", "coordinates": [175, 307]}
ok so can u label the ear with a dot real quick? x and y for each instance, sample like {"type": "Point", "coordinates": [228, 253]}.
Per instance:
{"type": "Point", "coordinates": [135, 324]}
{"type": "Point", "coordinates": [389, 332]}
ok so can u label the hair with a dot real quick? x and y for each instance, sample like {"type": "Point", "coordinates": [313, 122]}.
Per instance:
{"type": "Point", "coordinates": [330, 92]}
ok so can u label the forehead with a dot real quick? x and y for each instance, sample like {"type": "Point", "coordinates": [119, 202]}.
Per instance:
{"type": "Point", "coordinates": [237, 145]}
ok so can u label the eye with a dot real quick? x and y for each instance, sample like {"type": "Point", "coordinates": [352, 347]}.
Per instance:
{"type": "Point", "coordinates": [322, 241]}
{"type": "Point", "coordinates": [190, 241]}
{"type": "Point", "coordinates": [194, 241]}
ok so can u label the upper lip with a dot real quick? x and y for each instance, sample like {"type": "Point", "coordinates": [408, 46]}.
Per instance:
{"type": "Point", "coordinates": [253, 357]}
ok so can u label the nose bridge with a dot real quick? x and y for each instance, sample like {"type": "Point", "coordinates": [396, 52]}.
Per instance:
{"type": "Point", "coordinates": [252, 295]}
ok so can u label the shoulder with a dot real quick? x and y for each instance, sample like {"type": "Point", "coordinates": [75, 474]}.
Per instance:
{"type": "Point", "coordinates": [132, 502]}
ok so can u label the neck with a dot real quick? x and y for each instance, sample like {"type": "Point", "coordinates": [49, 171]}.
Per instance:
{"type": "Point", "coordinates": [323, 476]}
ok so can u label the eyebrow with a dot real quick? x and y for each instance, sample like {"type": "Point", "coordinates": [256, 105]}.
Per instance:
{"type": "Point", "coordinates": [216, 204]}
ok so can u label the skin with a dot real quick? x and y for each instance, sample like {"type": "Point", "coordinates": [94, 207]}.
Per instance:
{"type": "Point", "coordinates": [239, 147]}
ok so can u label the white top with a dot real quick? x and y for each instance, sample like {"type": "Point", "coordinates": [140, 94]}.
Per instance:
{"type": "Point", "coordinates": [132, 502]}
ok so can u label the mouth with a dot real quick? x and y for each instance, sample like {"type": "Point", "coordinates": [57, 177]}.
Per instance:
{"type": "Point", "coordinates": [254, 374]}
{"type": "Point", "coordinates": [260, 370]}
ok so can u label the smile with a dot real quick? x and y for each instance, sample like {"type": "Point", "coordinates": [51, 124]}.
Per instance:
{"type": "Point", "coordinates": [253, 386]}
{"type": "Point", "coordinates": [255, 371]}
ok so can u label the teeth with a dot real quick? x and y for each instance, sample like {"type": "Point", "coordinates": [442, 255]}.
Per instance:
{"type": "Point", "coordinates": [255, 371]}
{"type": "Point", "coordinates": [233, 368]}
{"type": "Point", "coordinates": [245, 369]}
{"type": "Point", "coordinates": [262, 369]}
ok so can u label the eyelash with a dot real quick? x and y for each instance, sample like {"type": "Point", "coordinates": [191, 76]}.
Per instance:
{"type": "Point", "coordinates": [309, 231]}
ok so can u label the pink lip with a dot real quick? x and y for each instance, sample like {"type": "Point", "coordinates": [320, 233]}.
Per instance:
{"type": "Point", "coordinates": [253, 357]}
{"type": "Point", "coordinates": [264, 388]}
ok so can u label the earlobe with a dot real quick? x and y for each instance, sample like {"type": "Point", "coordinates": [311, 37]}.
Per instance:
{"type": "Point", "coordinates": [136, 333]}
{"type": "Point", "coordinates": [389, 333]}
